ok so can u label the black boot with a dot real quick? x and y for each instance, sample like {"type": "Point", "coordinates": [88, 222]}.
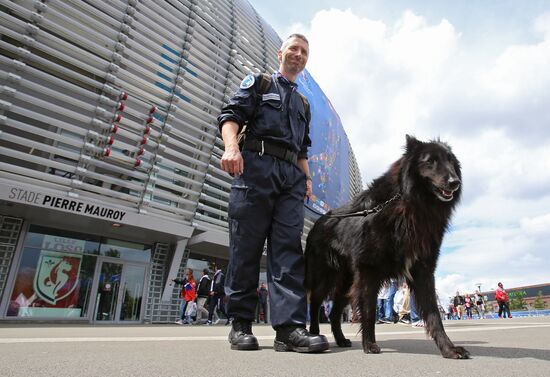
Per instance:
{"type": "Point", "coordinates": [298, 339]}
{"type": "Point", "coordinates": [241, 337]}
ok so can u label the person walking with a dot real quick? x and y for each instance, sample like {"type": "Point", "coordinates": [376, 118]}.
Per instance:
{"type": "Point", "coordinates": [468, 304]}
{"type": "Point", "coordinates": [381, 304]}
{"type": "Point", "coordinates": [217, 295]}
{"type": "Point", "coordinates": [459, 302]}
{"type": "Point", "coordinates": [502, 300]}
{"type": "Point", "coordinates": [187, 295]}
{"type": "Point", "coordinates": [270, 181]}
{"type": "Point", "coordinates": [203, 292]}
{"type": "Point", "coordinates": [262, 303]}
{"type": "Point", "coordinates": [479, 305]}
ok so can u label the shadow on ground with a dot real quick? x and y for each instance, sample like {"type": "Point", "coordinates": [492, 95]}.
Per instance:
{"type": "Point", "coordinates": [428, 347]}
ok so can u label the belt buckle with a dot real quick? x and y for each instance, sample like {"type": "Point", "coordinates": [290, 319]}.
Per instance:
{"type": "Point", "coordinates": [261, 153]}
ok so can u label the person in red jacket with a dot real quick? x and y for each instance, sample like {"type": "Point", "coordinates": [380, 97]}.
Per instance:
{"type": "Point", "coordinates": [502, 299]}
{"type": "Point", "coordinates": [188, 294]}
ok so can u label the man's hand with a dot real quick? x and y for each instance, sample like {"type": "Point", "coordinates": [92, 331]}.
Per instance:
{"type": "Point", "coordinates": [308, 188]}
{"type": "Point", "coordinates": [232, 160]}
{"type": "Point", "coordinates": [302, 164]}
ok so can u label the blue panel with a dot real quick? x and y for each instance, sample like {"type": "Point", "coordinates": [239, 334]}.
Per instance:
{"type": "Point", "coordinates": [329, 153]}
{"type": "Point", "coordinates": [164, 76]}
{"type": "Point", "coordinates": [174, 61]}
{"type": "Point", "coordinates": [166, 67]}
{"type": "Point", "coordinates": [171, 50]}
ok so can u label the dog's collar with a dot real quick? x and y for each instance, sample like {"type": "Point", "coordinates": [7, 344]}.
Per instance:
{"type": "Point", "coordinates": [367, 212]}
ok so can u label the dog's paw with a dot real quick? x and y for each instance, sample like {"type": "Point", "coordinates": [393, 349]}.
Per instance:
{"type": "Point", "coordinates": [456, 353]}
{"type": "Point", "coordinates": [343, 342]}
{"type": "Point", "coordinates": [371, 348]}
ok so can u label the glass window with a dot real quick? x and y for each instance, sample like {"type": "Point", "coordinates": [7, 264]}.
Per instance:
{"type": "Point", "coordinates": [56, 272]}
{"type": "Point", "coordinates": [128, 251]}
{"type": "Point", "coordinates": [197, 266]}
{"type": "Point", "coordinates": [52, 284]}
{"type": "Point", "coordinates": [133, 293]}
{"type": "Point", "coordinates": [60, 240]}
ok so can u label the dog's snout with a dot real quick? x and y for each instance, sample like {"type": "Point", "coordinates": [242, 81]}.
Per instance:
{"type": "Point", "coordinates": [454, 183]}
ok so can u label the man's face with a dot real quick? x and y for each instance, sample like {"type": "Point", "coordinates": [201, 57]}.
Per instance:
{"type": "Point", "coordinates": [293, 55]}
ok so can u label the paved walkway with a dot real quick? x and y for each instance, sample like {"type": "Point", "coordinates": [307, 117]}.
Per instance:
{"type": "Point", "coordinates": [503, 348]}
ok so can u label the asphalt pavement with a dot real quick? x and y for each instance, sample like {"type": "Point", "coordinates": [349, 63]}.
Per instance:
{"type": "Point", "coordinates": [503, 348]}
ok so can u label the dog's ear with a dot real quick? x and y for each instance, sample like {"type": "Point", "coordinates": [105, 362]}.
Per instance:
{"type": "Point", "coordinates": [411, 142]}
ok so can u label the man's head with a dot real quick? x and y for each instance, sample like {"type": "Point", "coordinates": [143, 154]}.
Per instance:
{"type": "Point", "coordinates": [205, 271]}
{"type": "Point", "coordinates": [500, 285]}
{"type": "Point", "coordinates": [293, 56]}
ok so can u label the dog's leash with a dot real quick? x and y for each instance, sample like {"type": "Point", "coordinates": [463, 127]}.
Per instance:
{"type": "Point", "coordinates": [367, 212]}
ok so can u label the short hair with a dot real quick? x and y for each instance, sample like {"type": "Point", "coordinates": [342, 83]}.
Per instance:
{"type": "Point", "coordinates": [298, 35]}
{"type": "Point", "coordinates": [295, 35]}
{"type": "Point", "coordinates": [206, 271]}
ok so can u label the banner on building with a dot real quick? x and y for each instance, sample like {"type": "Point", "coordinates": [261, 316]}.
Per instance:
{"type": "Point", "coordinates": [329, 153]}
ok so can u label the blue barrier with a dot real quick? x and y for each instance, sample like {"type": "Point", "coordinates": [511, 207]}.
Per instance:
{"type": "Point", "coordinates": [522, 313]}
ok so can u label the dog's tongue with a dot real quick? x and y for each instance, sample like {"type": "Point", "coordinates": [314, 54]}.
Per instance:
{"type": "Point", "coordinates": [447, 193]}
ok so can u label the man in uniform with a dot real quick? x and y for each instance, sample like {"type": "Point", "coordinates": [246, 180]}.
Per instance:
{"type": "Point", "coordinates": [271, 180]}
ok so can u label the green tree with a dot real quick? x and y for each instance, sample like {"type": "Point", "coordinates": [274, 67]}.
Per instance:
{"type": "Point", "coordinates": [517, 301]}
{"type": "Point", "coordinates": [539, 303]}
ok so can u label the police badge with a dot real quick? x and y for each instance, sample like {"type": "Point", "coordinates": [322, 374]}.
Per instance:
{"type": "Point", "coordinates": [247, 82]}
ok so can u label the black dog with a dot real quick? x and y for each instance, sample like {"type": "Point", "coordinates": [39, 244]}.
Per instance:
{"type": "Point", "coordinates": [350, 257]}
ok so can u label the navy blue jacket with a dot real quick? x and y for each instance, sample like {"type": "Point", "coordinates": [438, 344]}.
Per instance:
{"type": "Point", "coordinates": [278, 115]}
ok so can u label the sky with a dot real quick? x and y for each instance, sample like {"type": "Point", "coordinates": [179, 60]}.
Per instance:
{"type": "Point", "coordinates": [476, 75]}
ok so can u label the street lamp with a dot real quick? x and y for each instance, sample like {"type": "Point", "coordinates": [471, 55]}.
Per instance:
{"type": "Point", "coordinates": [479, 287]}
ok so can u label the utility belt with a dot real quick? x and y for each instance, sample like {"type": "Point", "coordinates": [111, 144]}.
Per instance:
{"type": "Point", "coordinates": [271, 149]}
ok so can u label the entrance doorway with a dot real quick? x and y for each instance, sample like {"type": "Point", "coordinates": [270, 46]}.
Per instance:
{"type": "Point", "coordinates": [119, 293]}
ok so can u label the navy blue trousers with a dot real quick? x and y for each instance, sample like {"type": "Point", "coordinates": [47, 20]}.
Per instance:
{"type": "Point", "coordinates": [267, 202]}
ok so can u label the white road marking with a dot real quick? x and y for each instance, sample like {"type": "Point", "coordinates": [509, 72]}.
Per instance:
{"type": "Point", "coordinates": [260, 337]}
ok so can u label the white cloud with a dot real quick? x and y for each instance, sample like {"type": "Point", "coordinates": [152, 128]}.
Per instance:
{"type": "Point", "coordinates": [542, 24]}
{"type": "Point", "coordinates": [537, 227]}
{"type": "Point", "coordinates": [421, 78]}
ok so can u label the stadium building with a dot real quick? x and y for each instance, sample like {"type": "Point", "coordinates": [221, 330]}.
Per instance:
{"type": "Point", "coordinates": [529, 296]}
{"type": "Point", "coordinates": [109, 151]}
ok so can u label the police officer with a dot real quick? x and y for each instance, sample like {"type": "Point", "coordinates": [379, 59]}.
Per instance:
{"type": "Point", "coordinates": [271, 180]}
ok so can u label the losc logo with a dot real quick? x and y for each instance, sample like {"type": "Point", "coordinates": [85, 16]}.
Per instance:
{"type": "Point", "coordinates": [56, 276]}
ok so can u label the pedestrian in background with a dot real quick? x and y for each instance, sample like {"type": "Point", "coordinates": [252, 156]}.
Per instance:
{"type": "Point", "coordinates": [203, 292]}
{"type": "Point", "coordinates": [458, 302]}
{"type": "Point", "coordinates": [479, 305]}
{"type": "Point", "coordinates": [261, 312]}
{"type": "Point", "coordinates": [187, 295]}
{"type": "Point", "coordinates": [217, 295]}
{"type": "Point", "coordinates": [502, 300]}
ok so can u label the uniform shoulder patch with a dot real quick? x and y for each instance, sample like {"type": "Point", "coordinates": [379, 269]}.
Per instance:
{"type": "Point", "coordinates": [247, 82]}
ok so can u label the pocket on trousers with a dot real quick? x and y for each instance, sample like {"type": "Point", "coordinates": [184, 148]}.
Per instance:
{"type": "Point", "coordinates": [238, 202]}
